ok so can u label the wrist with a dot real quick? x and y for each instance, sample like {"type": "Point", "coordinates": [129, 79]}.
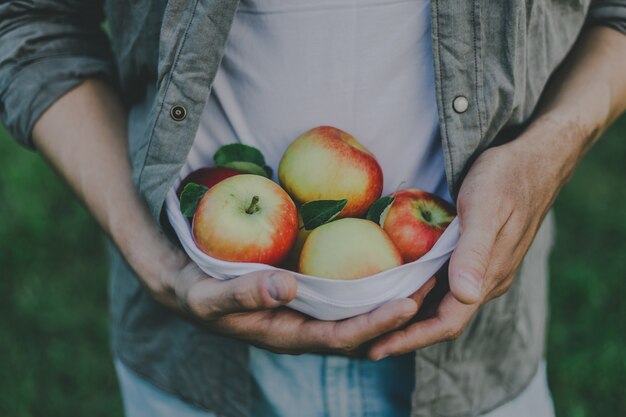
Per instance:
{"type": "Point", "coordinates": [151, 255]}
{"type": "Point", "coordinates": [556, 143]}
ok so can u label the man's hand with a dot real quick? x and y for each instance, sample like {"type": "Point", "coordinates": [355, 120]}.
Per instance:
{"type": "Point", "coordinates": [509, 189]}
{"type": "Point", "coordinates": [249, 308]}
{"type": "Point", "coordinates": [501, 205]}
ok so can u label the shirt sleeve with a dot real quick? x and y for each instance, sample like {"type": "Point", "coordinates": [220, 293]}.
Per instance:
{"type": "Point", "coordinates": [47, 47]}
{"type": "Point", "coordinates": [610, 13]}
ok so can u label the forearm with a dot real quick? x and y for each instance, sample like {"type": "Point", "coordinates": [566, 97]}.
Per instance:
{"type": "Point", "coordinates": [584, 97]}
{"type": "Point", "coordinates": [83, 135]}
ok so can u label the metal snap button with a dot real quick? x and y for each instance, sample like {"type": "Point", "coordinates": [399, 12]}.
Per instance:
{"type": "Point", "coordinates": [178, 113]}
{"type": "Point", "coordinates": [460, 104]}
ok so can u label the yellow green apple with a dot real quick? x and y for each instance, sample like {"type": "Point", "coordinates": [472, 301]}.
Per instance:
{"type": "Point", "coordinates": [346, 249]}
{"type": "Point", "coordinates": [326, 163]}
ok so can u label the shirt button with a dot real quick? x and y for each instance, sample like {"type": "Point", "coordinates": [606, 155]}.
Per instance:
{"type": "Point", "coordinates": [178, 113]}
{"type": "Point", "coordinates": [460, 104]}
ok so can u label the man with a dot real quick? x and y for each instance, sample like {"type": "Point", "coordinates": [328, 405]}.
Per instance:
{"type": "Point", "coordinates": [507, 138]}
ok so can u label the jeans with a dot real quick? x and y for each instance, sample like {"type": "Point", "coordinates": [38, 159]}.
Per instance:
{"type": "Point", "coordinates": [322, 386]}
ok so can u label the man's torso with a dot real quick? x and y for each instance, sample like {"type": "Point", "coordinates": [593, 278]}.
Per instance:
{"type": "Point", "coordinates": [497, 55]}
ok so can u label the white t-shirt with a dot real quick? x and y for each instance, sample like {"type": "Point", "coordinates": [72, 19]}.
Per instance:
{"type": "Point", "coordinates": [364, 66]}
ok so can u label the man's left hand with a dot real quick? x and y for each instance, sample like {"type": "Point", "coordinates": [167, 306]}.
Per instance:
{"type": "Point", "coordinates": [501, 204]}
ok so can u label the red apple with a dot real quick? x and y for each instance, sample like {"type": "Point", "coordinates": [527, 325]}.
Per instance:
{"type": "Point", "coordinates": [348, 249]}
{"type": "Point", "coordinates": [326, 163]}
{"type": "Point", "coordinates": [207, 177]}
{"type": "Point", "coordinates": [246, 218]}
{"type": "Point", "coordinates": [415, 221]}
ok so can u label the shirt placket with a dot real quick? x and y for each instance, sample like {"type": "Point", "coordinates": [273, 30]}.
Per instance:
{"type": "Point", "coordinates": [456, 35]}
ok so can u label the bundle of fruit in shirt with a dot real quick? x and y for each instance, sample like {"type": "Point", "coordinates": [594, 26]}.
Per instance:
{"type": "Point", "coordinates": [325, 219]}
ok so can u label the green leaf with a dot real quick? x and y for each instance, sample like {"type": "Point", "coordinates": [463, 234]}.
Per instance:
{"type": "Point", "coordinates": [378, 211]}
{"type": "Point", "coordinates": [238, 152]}
{"type": "Point", "coordinates": [243, 158]}
{"type": "Point", "coordinates": [317, 213]}
{"type": "Point", "coordinates": [190, 198]}
{"type": "Point", "coordinates": [247, 167]}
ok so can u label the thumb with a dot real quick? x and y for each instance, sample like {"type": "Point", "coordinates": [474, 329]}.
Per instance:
{"type": "Point", "coordinates": [256, 291]}
{"type": "Point", "coordinates": [469, 261]}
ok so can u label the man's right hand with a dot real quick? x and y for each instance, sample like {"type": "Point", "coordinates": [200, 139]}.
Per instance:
{"type": "Point", "coordinates": [250, 308]}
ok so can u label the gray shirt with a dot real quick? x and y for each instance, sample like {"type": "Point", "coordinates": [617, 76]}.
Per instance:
{"type": "Point", "coordinates": [497, 55]}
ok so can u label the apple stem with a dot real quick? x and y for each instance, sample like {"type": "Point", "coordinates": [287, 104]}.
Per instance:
{"type": "Point", "coordinates": [253, 205]}
{"type": "Point", "coordinates": [427, 215]}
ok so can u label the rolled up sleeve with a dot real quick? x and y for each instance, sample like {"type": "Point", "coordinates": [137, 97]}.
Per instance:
{"type": "Point", "coordinates": [47, 47]}
{"type": "Point", "coordinates": [610, 13]}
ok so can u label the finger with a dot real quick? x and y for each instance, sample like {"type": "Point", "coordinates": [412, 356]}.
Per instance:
{"type": "Point", "coordinates": [505, 260]}
{"type": "Point", "coordinates": [420, 295]}
{"type": "Point", "coordinates": [211, 298]}
{"type": "Point", "coordinates": [502, 287]}
{"type": "Point", "coordinates": [505, 276]}
{"type": "Point", "coordinates": [273, 329]}
{"type": "Point", "coordinates": [433, 299]}
{"type": "Point", "coordinates": [470, 259]}
{"type": "Point", "coordinates": [452, 317]}
{"type": "Point", "coordinates": [287, 331]}
{"type": "Point", "coordinates": [347, 335]}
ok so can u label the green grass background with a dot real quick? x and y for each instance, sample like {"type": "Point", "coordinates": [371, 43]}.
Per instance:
{"type": "Point", "coordinates": [54, 348]}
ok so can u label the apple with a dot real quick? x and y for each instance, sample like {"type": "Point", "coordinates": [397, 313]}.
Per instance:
{"type": "Point", "coordinates": [348, 248]}
{"type": "Point", "coordinates": [207, 177]}
{"type": "Point", "coordinates": [326, 163]}
{"type": "Point", "coordinates": [246, 218]}
{"type": "Point", "coordinates": [415, 221]}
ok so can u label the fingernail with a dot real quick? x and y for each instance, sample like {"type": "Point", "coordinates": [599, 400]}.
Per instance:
{"type": "Point", "coordinates": [381, 357]}
{"type": "Point", "coordinates": [471, 285]}
{"type": "Point", "coordinates": [408, 314]}
{"type": "Point", "coordinates": [277, 289]}
{"type": "Point", "coordinates": [407, 307]}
